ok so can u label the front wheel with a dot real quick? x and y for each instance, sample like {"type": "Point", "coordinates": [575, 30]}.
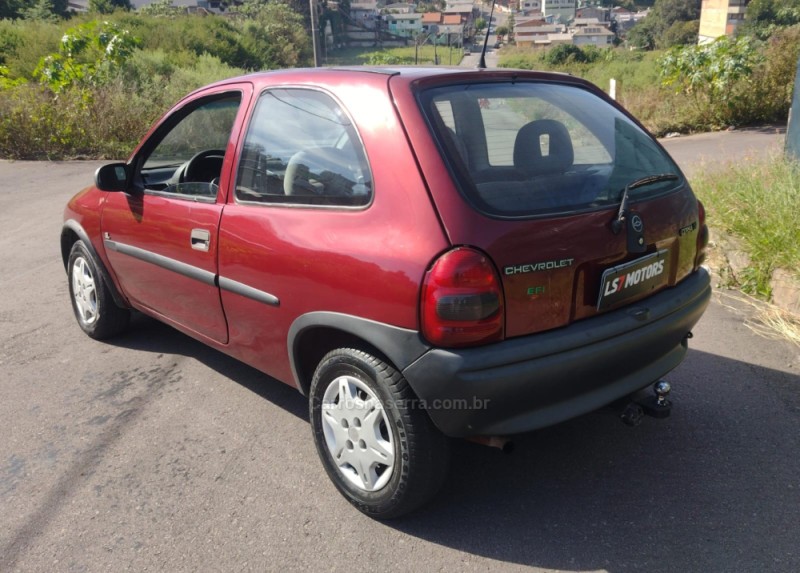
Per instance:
{"type": "Point", "coordinates": [92, 303]}
{"type": "Point", "coordinates": [378, 446]}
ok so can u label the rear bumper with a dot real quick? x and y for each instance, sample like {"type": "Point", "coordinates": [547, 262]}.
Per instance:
{"type": "Point", "coordinates": [527, 383]}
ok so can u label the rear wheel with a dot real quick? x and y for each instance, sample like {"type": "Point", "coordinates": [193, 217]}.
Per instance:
{"type": "Point", "coordinates": [377, 445]}
{"type": "Point", "coordinates": [92, 303]}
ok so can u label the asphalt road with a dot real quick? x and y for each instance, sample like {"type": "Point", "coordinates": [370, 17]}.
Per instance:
{"type": "Point", "coordinates": [155, 453]}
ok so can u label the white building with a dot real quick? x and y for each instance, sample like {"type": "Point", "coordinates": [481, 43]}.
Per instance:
{"type": "Point", "coordinates": [530, 6]}
{"type": "Point", "coordinates": [598, 36]}
{"type": "Point", "coordinates": [399, 8]}
{"type": "Point", "coordinates": [405, 25]}
{"type": "Point", "coordinates": [720, 18]}
{"type": "Point", "coordinates": [530, 33]}
{"type": "Point", "coordinates": [364, 11]}
{"type": "Point", "coordinates": [562, 10]}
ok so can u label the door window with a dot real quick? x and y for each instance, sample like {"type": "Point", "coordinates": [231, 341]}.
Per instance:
{"type": "Point", "coordinates": [186, 161]}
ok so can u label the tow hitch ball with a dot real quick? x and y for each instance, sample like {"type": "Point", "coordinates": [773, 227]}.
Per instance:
{"type": "Point", "coordinates": [640, 404]}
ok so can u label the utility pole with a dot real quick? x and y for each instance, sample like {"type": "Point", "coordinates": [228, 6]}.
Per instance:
{"type": "Point", "coordinates": [314, 30]}
{"type": "Point", "coordinates": [450, 49]}
{"type": "Point", "coordinates": [792, 144]}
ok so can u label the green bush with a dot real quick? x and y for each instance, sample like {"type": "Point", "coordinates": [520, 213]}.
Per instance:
{"type": "Point", "coordinates": [101, 92]}
{"type": "Point", "coordinates": [767, 96]}
{"type": "Point", "coordinates": [24, 42]}
{"type": "Point", "coordinates": [32, 127]}
{"type": "Point", "coordinates": [569, 53]}
{"type": "Point", "coordinates": [206, 70]}
{"type": "Point", "coordinates": [710, 74]}
{"type": "Point", "coordinates": [176, 74]}
{"type": "Point", "coordinates": [104, 121]}
{"type": "Point", "coordinates": [89, 55]}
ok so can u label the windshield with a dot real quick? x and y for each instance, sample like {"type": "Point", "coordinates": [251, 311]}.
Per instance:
{"type": "Point", "coordinates": [527, 149]}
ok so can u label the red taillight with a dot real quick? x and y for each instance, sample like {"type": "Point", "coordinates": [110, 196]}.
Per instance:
{"type": "Point", "coordinates": [462, 300]}
{"type": "Point", "coordinates": [702, 235]}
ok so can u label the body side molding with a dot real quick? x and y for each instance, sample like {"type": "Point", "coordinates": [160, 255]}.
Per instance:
{"type": "Point", "coordinates": [244, 290]}
{"type": "Point", "coordinates": [179, 267]}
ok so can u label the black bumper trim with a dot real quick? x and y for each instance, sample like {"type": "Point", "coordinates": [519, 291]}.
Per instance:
{"type": "Point", "coordinates": [526, 383]}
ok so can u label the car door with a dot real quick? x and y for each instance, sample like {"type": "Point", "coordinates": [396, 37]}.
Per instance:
{"type": "Point", "coordinates": [161, 236]}
{"type": "Point", "coordinates": [290, 229]}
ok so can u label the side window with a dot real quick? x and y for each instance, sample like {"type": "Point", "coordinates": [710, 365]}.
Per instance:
{"type": "Point", "coordinates": [187, 160]}
{"type": "Point", "coordinates": [301, 148]}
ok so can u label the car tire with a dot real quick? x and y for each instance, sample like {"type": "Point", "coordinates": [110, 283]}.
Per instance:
{"type": "Point", "coordinates": [94, 307]}
{"type": "Point", "coordinates": [376, 442]}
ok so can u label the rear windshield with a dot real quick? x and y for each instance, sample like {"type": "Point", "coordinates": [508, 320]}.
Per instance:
{"type": "Point", "coordinates": [527, 149]}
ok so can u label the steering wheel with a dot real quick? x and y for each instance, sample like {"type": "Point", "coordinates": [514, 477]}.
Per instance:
{"type": "Point", "coordinates": [203, 167]}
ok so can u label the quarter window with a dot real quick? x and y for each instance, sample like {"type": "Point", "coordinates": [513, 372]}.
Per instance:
{"type": "Point", "coordinates": [301, 148]}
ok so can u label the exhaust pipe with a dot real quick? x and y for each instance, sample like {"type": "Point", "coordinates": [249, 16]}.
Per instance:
{"type": "Point", "coordinates": [501, 443]}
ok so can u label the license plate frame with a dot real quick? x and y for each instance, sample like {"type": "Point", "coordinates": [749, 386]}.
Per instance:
{"type": "Point", "coordinates": [631, 279]}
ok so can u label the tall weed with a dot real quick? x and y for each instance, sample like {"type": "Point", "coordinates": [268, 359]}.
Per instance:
{"type": "Point", "coordinates": [757, 201]}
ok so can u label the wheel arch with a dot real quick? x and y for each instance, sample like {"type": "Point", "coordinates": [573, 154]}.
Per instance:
{"type": "Point", "coordinates": [71, 233]}
{"type": "Point", "coordinates": [314, 334]}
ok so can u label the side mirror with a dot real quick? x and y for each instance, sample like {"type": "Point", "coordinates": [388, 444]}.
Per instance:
{"type": "Point", "coordinates": [112, 177]}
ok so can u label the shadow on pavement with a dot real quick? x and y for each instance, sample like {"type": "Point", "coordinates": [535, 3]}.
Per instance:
{"type": "Point", "coordinates": [716, 487]}
{"type": "Point", "coordinates": [768, 129]}
{"type": "Point", "coordinates": [152, 336]}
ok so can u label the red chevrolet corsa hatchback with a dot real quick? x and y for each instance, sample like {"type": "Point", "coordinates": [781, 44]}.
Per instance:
{"type": "Point", "coordinates": [425, 254]}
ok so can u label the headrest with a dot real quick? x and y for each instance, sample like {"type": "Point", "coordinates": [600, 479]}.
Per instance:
{"type": "Point", "coordinates": [558, 156]}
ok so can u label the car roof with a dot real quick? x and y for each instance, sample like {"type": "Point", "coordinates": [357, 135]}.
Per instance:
{"type": "Point", "coordinates": [409, 73]}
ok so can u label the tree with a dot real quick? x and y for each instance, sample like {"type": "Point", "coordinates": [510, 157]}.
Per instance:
{"type": "Point", "coordinates": [501, 31]}
{"type": "Point", "coordinates": [764, 17]}
{"type": "Point", "coordinates": [277, 35]}
{"type": "Point", "coordinates": [108, 6]}
{"type": "Point", "coordinates": [43, 10]}
{"type": "Point", "coordinates": [160, 8]}
{"type": "Point", "coordinates": [650, 33]}
{"type": "Point", "coordinates": [680, 34]}
{"type": "Point", "coordinates": [480, 24]}
{"type": "Point", "coordinates": [10, 8]}
{"type": "Point", "coordinates": [40, 10]}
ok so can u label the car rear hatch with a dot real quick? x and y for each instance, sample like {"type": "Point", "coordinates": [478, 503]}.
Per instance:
{"type": "Point", "coordinates": [579, 209]}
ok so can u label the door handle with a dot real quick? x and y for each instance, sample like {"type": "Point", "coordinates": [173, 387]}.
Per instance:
{"type": "Point", "coordinates": [201, 239]}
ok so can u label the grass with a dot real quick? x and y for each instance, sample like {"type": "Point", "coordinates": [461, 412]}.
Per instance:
{"type": "Point", "coordinates": [394, 56]}
{"type": "Point", "coordinates": [757, 202]}
{"type": "Point", "coordinates": [635, 70]}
